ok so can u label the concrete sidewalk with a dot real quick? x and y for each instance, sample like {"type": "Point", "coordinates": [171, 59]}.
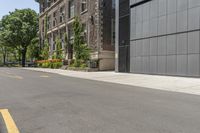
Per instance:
{"type": "Point", "coordinates": [167, 83]}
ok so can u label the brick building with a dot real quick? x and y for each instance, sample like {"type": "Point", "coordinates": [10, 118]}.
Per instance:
{"type": "Point", "coordinates": [56, 19]}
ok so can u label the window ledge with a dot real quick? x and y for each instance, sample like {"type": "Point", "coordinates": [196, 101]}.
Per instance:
{"type": "Point", "coordinates": [83, 12]}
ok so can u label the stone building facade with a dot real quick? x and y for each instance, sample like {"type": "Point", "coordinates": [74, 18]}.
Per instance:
{"type": "Point", "coordinates": [160, 37]}
{"type": "Point", "coordinates": [56, 19]}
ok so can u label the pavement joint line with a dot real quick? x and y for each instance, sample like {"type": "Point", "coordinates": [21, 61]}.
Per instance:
{"type": "Point", "coordinates": [9, 122]}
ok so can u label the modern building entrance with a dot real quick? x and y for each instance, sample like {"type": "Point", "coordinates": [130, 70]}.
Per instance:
{"type": "Point", "coordinates": [124, 36]}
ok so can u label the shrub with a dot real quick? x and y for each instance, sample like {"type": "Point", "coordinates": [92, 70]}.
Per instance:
{"type": "Point", "coordinates": [51, 65]}
{"type": "Point", "coordinates": [45, 65]}
{"type": "Point", "coordinates": [83, 65]}
{"type": "Point", "coordinates": [59, 50]}
{"type": "Point", "coordinates": [77, 63]}
{"type": "Point", "coordinates": [55, 63]}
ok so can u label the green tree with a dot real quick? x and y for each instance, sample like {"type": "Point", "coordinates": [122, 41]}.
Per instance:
{"type": "Point", "coordinates": [45, 50]}
{"type": "Point", "coordinates": [3, 51]}
{"type": "Point", "coordinates": [81, 50]}
{"type": "Point", "coordinates": [59, 50]}
{"type": "Point", "coordinates": [18, 29]}
{"type": "Point", "coordinates": [66, 44]}
{"type": "Point", "coordinates": [34, 51]}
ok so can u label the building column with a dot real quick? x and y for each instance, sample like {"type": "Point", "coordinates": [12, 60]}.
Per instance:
{"type": "Point", "coordinates": [117, 36]}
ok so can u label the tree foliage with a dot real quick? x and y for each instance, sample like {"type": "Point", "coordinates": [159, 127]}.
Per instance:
{"type": "Point", "coordinates": [81, 50]}
{"type": "Point", "coordinates": [18, 29]}
{"type": "Point", "coordinates": [59, 50]}
{"type": "Point", "coordinates": [5, 52]}
{"type": "Point", "coordinates": [45, 50]}
{"type": "Point", "coordinates": [34, 52]}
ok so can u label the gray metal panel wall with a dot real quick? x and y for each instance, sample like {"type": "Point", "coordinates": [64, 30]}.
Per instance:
{"type": "Point", "coordinates": [165, 37]}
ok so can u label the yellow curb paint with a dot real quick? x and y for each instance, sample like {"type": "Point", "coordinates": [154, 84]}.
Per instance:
{"type": "Point", "coordinates": [10, 124]}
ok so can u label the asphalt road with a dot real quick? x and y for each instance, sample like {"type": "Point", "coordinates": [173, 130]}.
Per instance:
{"type": "Point", "coordinates": [49, 103]}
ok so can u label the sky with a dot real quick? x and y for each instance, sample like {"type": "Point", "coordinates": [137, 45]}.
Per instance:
{"type": "Point", "coordinates": [10, 5]}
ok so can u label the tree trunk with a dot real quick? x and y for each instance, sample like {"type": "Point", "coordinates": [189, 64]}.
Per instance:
{"type": "Point", "coordinates": [19, 56]}
{"type": "Point", "coordinates": [70, 52]}
{"type": "Point", "coordinates": [24, 57]}
{"type": "Point", "coordinates": [4, 56]}
{"type": "Point", "coordinates": [4, 59]}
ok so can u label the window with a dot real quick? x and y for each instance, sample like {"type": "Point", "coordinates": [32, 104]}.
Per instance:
{"type": "Point", "coordinates": [49, 3]}
{"type": "Point", "coordinates": [113, 4]}
{"type": "Point", "coordinates": [54, 19]}
{"type": "Point", "coordinates": [54, 41]}
{"type": "Point", "coordinates": [43, 25]}
{"type": "Point", "coordinates": [62, 37]}
{"type": "Point", "coordinates": [42, 7]}
{"type": "Point", "coordinates": [84, 34]}
{"type": "Point", "coordinates": [49, 41]}
{"type": "Point", "coordinates": [83, 5]}
{"type": "Point", "coordinates": [62, 14]}
{"type": "Point", "coordinates": [71, 34]}
{"type": "Point", "coordinates": [113, 31]}
{"type": "Point", "coordinates": [71, 9]}
{"type": "Point", "coordinates": [49, 22]}
{"type": "Point", "coordinates": [113, 23]}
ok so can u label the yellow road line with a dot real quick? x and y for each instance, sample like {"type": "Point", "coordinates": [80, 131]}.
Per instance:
{"type": "Point", "coordinates": [44, 76]}
{"type": "Point", "coordinates": [11, 76]}
{"type": "Point", "coordinates": [8, 73]}
{"type": "Point", "coordinates": [10, 124]}
{"type": "Point", "coordinates": [18, 77]}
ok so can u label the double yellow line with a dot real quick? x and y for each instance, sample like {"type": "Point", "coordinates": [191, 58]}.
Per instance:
{"type": "Point", "coordinates": [10, 124]}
